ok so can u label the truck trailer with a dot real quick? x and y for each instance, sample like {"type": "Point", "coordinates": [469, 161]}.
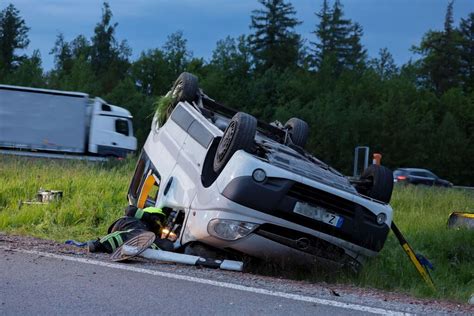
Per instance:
{"type": "Point", "coordinates": [61, 122]}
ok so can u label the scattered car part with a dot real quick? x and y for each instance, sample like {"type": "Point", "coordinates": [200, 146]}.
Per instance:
{"type": "Point", "coordinates": [44, 197]}
{"type": "Point", "coordinates": [460, 219]}
{"type": "Point", "coordinates": [168, 256]}
{"type": "Point", "coordinates": [420, 267]}
{"type": "Point", "coordinates": [138, 243]}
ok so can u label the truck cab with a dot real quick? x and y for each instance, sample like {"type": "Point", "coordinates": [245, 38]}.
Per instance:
{"type": "Point", "coordinates": [111, 130]}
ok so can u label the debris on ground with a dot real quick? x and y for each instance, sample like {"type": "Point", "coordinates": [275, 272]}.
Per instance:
{"type": "Point", "coordinates": [44, 197]}
{"type": "Point", "coordinates": [461, 219]}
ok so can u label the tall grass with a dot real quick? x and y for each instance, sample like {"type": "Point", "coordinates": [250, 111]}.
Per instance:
{"type": "Point", "coordinates": [95, 195]}
{"type": "Point", "coordinates": [421, 213]}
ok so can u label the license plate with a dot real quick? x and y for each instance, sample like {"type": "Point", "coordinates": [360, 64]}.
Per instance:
{"type": "Point", "coordinates": [319, 214]}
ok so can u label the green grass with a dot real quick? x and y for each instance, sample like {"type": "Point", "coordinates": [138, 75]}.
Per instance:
{"type": "Point", "coordinates": [95, 195]}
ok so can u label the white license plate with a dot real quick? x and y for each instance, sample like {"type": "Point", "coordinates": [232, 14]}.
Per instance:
{"type": "Point", "coordinates": [318, 213]}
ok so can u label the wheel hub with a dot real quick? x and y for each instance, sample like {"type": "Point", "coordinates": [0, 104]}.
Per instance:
{"type": "Point", "coordinates": [225, 144]}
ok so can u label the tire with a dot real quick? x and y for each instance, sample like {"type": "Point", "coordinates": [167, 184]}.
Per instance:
{"type": "Point", "coordinates": [239, 134]}
{"type": "Point", "coordinates": [185, 88]}
{"type": "Point", "coordinates": [382, 182]}
{"type": "Point", "coordinates": [298, 131]}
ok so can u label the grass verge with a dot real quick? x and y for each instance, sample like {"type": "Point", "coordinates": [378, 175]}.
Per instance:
{"type": "Point", "coordinates": [95, 195]}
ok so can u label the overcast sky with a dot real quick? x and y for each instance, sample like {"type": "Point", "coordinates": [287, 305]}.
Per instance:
{"type": "Point", "coordinates": [145, 24]}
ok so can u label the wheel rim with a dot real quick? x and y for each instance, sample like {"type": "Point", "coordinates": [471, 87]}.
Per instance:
{"type": "Point", "coordinates": [177, 90]}
{"type": "Point", "coordinates": [225, 143]}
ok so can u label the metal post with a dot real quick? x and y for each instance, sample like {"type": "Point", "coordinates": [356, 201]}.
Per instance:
{"type": "Point", "coordinates": [356, 159]}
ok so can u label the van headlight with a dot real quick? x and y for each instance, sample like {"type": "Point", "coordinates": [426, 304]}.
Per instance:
{"type": "Point", "coordinates": [229, 229]}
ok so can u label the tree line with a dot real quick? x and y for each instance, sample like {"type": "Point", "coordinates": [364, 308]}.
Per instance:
{"type": "Point", "coordinates": [420, 114]}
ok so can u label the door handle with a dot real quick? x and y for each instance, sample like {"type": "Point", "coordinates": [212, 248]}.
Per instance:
{"type": "Point", "coordinates": [114, 143]}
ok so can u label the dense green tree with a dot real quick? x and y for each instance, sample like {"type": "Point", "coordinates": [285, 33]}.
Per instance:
{"type": "Point", "coordinates": [81, 47]}
{"type": "Point", "coordinates": [384, 65]}
{"type": "Point", "coordinates": [29, 72]}
{"type": "Point", "coordinates": [109, 59]}
{"type": "Point", "coordinates": [322, 48]}
{"type": "Point", "coordinates": [339, 41]}
{"type": "Point", "coordinates": [274, 41]}
{"type": "Point", "coordinates": [13, 37]}
{"type": "Point", "coordinates": [152, 73]}
{"type": "Point", "coordinates": [466, 30]}
{"type": "Point", "coordinates": [176, 53]}
{"type": "Point", "coordinates": [441, 55]}
{"type": "Point", "coordinates": [418, 114]}
{"type": "Point", "coordinates": [63, 56]}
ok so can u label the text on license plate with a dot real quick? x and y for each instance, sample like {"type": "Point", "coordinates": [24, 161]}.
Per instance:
{"type": "Point", "coordinates": [319, 214]}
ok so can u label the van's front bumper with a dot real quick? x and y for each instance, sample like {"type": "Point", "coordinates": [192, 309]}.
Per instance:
{"type": "Point", "coordinates": [235, 195]}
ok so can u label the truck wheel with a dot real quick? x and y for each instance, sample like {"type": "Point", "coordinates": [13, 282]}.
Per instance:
{"type": "Point", "coordinates": [239, 134]}
{"type": "Point", "coordinates": [185, 88]}
{"type": "Point", "coordinates": [382, 182]}
{"type": "Point", "coordinates": [298, 131]}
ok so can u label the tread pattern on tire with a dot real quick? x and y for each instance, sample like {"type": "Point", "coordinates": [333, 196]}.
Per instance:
{"type": "Point", "coordinates": [189, 87]}
{"type": "Point", "coordinates": [243, 138]}
{"type": "Point", "coordinates": [382, 179]}
{"type": "Point", "coordinates": [299, 131]}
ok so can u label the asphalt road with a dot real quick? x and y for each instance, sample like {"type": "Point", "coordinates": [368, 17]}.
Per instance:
{"type": "Point", "coordinates": [31, 283]}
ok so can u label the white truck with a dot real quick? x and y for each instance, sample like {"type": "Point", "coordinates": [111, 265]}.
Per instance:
{"type": "Point", "coordinates": [52, 122]}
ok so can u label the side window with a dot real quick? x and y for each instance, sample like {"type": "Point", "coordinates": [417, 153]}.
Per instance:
{"type": "Point", "coordinates": [121, 126]}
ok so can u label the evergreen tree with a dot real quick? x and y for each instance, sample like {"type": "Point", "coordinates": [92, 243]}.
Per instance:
{"type": "Point", "coordinates": [441, 55]}
{"type": "Point", "coordinates": [340, 29]}
{"type": "Point", "coordinates": [339, 41]}
{"type": "Point", "coordinates": [275, 43]}
{"type": "Point", "coordinates": [323, 33]}
{"type": "Point", "coordinates": [13, 36]}
{"type": "Point", "coordinates": [356, 54]}
{"type": "Point", "coordinates": [466, 29]}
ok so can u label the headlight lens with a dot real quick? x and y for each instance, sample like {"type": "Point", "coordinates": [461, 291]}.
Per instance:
{"type": "Point", "coordinates": [229, 229]}
{"type": "Point", "coordinates": [381, 218]}
{"type": "Point", "coordinates": [259, 175]}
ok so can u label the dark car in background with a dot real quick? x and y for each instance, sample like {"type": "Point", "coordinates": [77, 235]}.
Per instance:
{"type": "Point", "coordinates": [419, 176]}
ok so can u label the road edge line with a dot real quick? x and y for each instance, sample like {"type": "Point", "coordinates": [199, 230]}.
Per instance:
{"type": "Point", "coordinates": [296, 297]}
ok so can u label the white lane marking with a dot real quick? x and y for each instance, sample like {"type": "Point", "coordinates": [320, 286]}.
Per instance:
{"type": "Point", "coordinates": [296, 297]}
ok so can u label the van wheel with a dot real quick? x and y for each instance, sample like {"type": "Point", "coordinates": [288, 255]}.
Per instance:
{"type": "Point", "coordinates": [239, 134]}
{"type": "Point", "coordinates": [298, 131]}
{"type": "Point", "coordinates": [381, 179]}
{"type": "Point", "coordinates": [185, 88]}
